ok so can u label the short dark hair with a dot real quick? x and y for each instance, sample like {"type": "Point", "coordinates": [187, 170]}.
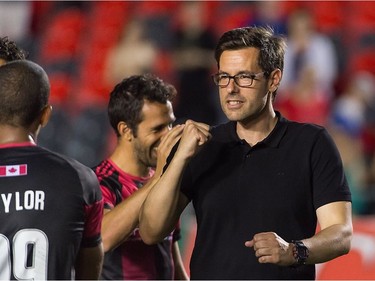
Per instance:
{"type": "Point", "coordinates": [272, 47]}
{"type": "Point", "coordinates": [24, 92]}
{"type": "Point", "coordinates": [127, 99]}
{"type": "Point", "coordinates": [9, 51]}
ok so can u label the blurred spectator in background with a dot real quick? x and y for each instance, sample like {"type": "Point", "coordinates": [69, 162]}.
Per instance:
{"type": "Point", "coordinates": [352, 120]}
{"type": "Point", "coordinates": [349, 110]}
{"type": "Point", "coordinates": [193, 61]}
{"type": "Point", "coordinates": [368, 138]}
{"type": "Point", "coordinates": [158, 17]}
{"type": "Point", "coordinates": [134, 54]}
{"type": "Point", "coordinates": [305, 101]}
{"type": "Point", "coordinates": [269, 13]}
{"type": "Point", "coordinates": [368, 134]}
{"type": "Point", "coordinates": [370, 182]}
{"type": "Point", "coordinates": [9, 51]}
{"type": "Point", "coordinates": [354, 166]}
{"type": "Point", "coordinates": [308, 48]}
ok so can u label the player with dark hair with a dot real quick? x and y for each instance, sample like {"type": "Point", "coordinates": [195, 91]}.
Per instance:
{"type": "Point", "coordinates": [51, 206]}
{"type": "Point", "coordinates": [140, 112]}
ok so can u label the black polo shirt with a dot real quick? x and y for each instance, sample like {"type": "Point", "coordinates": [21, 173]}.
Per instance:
{"type": "Point", "coordinates": [276, 185]}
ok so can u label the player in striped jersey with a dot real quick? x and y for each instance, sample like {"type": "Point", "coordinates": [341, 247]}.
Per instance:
{"type": "Point", "coordinates": [141, 114]}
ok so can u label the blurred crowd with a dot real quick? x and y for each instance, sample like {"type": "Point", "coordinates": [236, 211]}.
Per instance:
{"type": "Point", "coordinates": [87, 47]}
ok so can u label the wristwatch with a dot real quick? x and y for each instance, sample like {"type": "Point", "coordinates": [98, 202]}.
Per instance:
{"type": "Point", "coordinates": [300, 252]}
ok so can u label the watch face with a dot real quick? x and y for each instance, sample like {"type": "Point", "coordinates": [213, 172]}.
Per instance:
{"type": "Point", "coordinates": [302, 253]}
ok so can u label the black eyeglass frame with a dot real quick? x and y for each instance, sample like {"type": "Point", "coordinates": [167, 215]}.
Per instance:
{"type": "Point", "coordinates": [252, 76]}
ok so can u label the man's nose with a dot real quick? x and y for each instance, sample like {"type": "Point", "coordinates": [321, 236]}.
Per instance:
{"type": "Point", "coordinates": [232, 85]}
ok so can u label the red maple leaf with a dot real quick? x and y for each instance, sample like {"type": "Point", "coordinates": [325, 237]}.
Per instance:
{"type": "Point", "coordinates": [12, 170]}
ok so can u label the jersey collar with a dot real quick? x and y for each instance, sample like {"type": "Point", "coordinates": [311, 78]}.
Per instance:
{"type": "Point", "coordinates": [17, 144]}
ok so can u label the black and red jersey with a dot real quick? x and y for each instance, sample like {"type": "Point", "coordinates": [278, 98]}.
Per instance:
{"type": "Point", "coordinates": [133, 260]}
{"type": "Point", "coordinates": [50, 206]}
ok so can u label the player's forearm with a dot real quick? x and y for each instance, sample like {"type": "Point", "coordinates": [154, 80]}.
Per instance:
{"type": "Point", "coordinates": [165, 202]}
{"type": "Point", "coordinates": [119, 223]}
{"type": "Point", "coordinates": [163, 205]}
{"type": "Point", "coordinates": [329, 243]}
{"type": "Point", "coordinates": [336, 232]}
{"type": "Point", "coordinates": [89, 263]}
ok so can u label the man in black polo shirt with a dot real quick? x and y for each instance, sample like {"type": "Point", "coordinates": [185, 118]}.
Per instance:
{"type": "Point", "coordinates": [260, 183]}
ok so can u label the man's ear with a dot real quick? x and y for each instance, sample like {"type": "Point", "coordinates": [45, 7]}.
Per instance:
{"type": "Point", "coordinates": [124, 131]}
{"type": "Point", "coordinates": [274, 80]}
{"type": "Point", "coordinates": [45, 115]}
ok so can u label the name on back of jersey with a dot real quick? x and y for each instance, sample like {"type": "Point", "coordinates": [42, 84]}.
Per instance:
{"type": "Point", "coordinates": [22, 201]}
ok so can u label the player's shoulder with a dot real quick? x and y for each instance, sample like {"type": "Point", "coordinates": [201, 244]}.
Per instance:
{"type": "Point", "coordinates": [63, 161]}
{"type": "Point", "coordinates": [87, 178]}
{"type": "Point", "coordinates": [69, 167]}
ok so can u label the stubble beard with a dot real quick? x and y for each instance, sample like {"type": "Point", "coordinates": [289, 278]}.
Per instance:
{"type": "Point", "coordinates": [144, 156]}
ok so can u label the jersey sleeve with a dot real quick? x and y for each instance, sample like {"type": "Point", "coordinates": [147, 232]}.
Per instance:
{"type": "Point", "coordinates": [109, 184]}
{"type": "Point", "coordinates": [93, 209]}
{"type": "Point", "coordinates": [93, 221]}
{"type": "Point", "coordinates": [329, 181]}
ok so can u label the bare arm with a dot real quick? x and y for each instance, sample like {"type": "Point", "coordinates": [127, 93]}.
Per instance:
{"type": "Point", "coordinates": [333, 240]}
{"type": "Point", "coordinates": [179, 269]}
{"type": "Point", "coordinates": [120, 222]}
{"type": "Point", "coordinates": [165, 203]}
{"type": "Point", "coordinates": [89, 263]}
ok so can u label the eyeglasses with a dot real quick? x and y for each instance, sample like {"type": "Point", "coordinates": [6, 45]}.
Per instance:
{"type": "Point", "coordinates": [241, 79]}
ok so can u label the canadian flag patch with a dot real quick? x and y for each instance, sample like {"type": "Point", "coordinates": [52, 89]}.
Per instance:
{"type": "Point", "coordinates": [13, 170]}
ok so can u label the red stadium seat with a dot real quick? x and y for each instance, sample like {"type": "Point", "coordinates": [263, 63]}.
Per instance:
{"type": "Point", "coordinates": [60, 87]}
{"type": "Point", "coordinates": [328, 15]}
{"type": "Point", "coordinates": [363, 61]}
{"type": "Point", "coordinates": [61, 37]}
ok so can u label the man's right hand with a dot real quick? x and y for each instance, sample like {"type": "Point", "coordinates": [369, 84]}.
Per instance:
{"type": "Point", "coordinates": [194, 136]}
